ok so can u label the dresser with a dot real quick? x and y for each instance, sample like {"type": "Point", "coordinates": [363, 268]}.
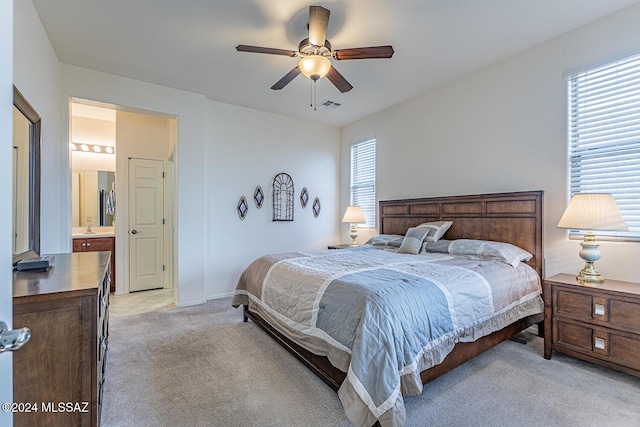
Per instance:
{"type": "Point", "coordinates": [96, 244]}
{"type": "Point", "coordinates": [599, 323]}
{"type": "Point", "coordinates": [62, 368]}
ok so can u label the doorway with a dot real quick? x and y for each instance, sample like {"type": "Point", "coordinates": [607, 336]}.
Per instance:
{"type": "Point", "coordinates": [135, 134]}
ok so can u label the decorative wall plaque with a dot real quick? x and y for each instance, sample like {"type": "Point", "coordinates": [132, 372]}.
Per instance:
{"type": "Point", "coordinates": [258, 197]}
{"type": "Point", "coordinates": [304, 197]}
{"type": "Point", "coordinates": [283, 197]}
{"type": "Point", "coordinates": [316, 207]}
{"type": "Point", "coordinates": [243, 207]}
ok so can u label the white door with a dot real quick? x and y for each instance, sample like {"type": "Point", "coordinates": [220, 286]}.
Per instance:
{"type": "Point", "coordinates": [6, 131]}
{"type": "Point", "coordinates": [146, 207]}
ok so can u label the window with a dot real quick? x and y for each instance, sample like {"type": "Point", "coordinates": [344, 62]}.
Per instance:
{"type": "Point", "coordinates": [363, 179]}
{"type": "Point", "coordinates": [604, 136]}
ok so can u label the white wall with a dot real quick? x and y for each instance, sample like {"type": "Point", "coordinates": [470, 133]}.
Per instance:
{"type": "Point", "coordinates": [189, 109]}
{"type": "Point", "coordinates": [501, 128]}
{"type": "Point", "coordinates": [245, 148]}
{"type": "Point", "coordinates": [36, 73]}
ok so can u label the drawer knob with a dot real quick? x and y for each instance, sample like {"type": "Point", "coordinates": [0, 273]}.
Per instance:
{"type": "Point", "coordinates": [598, 309]}
{"type": "Point", "coordinates": [599, 343]}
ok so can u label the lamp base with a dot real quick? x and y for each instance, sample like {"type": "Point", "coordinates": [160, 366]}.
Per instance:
{"type": "Point", "coordinates": [590, 254]}
{"type": "Point", "coordinates": [589, 274]}
{"type": "Point", "coordinates": [353, 233]}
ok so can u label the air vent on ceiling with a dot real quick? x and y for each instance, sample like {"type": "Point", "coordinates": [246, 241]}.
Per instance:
{"type": "Point", "coordinates": [329, 105]}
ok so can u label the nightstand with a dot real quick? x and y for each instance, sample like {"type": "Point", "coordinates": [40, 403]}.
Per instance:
{"type": "Point", "coordinates": [341, 246]}
{"type": "Point", "coordinates": [599, 323]}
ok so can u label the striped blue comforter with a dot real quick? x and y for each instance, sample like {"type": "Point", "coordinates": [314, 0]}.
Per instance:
{"type": "Point", "coordinates": [382, 317]}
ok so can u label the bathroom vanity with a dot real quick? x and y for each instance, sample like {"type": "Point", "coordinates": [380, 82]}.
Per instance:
{"type": "Point", "coordinates": [100, 241]}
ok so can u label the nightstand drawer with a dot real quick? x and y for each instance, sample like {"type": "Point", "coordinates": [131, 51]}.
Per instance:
{"type": "Point", "coordinates": [573, 304]}
{"type": "Point", "coordinates": [613, 346]}
{"type": "Point", "coordinates": [625, 314]}
{"type": "Point", "coordinates": [602, 310]}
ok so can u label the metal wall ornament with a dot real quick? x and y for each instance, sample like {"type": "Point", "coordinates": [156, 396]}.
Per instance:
{"type": "Point", "coordinates": [243, 207]}
{"type": "Point", "coordinates": [283, 197]}
{"type": "Point", "coordinates": [258, 197]}
{"type": "Point", "coordinates": [316, 207]}
{"type": "Point", "coordinates": [304, 197]}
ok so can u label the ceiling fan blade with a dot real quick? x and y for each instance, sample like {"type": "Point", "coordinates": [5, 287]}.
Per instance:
{"type": "Point", "coordinates": [268, 50]}
{"type": "Point", "coordinates": [374, 52]}
{"type": "Point", "coordinates": [338, 81]}
{"type": "Point", "coordinates": [318, 22]}
{"type": "Point", "coordinates": [286, 79]}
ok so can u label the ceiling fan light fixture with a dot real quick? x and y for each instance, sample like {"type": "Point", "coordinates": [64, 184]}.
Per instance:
{"type": "Point", "coordinates": [315, 67]}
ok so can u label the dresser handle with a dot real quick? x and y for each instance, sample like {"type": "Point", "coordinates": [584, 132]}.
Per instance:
{"type": "Point", "coordinates": [599, 343]}
{"type": "Point", "coordinates": [598, 309]}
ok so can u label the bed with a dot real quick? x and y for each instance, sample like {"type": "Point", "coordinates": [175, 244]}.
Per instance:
{"type": "Point", "coordinates": [347, 341]}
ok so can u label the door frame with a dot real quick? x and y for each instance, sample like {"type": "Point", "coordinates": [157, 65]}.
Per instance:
{"type": "Point", "coordinates": [6, 173]}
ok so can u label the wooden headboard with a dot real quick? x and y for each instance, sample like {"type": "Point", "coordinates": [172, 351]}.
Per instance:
{"type": "Point", "coordinates": [514, 218]}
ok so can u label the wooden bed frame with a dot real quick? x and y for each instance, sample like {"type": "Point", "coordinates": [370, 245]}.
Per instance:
{"type": "Point", "coordinates": [514, 218]}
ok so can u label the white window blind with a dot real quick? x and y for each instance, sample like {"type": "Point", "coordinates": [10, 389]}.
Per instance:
{"type": "Point", "coordinates": [363, 179]}
{"type": "Point", "coordinates": [604, 136]}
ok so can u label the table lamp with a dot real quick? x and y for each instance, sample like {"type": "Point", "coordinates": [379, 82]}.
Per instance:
{"type": "Point", "coordinates": [589, 212]}
{"type": "Point", "coordinates": [354, 215]}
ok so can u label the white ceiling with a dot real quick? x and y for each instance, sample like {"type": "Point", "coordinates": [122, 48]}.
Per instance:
{"type": "Point", "coordinates": [190, 44]}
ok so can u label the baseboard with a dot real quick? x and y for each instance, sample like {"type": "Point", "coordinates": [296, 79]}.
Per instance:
{"type": "Point", "coordinates": [219, 296]}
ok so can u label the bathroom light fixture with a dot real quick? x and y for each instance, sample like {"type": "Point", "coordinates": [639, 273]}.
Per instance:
{"type": "Point", "coordinates": [92, 148]}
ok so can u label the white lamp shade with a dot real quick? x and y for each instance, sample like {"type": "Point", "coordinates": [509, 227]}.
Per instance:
{"type": "Point", "coordinates": [593, 211]}
{"type": "Point", "coordinates": [315, 66]}
{"type": "Point", "coordinates": [354, 215]}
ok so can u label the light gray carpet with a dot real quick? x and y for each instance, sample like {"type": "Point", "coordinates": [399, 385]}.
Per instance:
{"type": "Point", "coordinates": [201, 366]}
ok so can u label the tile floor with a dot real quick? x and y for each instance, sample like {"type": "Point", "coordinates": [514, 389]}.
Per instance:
{"type": "Point", "coordinates": [140, 302]}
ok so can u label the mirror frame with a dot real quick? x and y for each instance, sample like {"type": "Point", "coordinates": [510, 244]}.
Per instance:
{"type": "Point", "coordinates": [30, 113]}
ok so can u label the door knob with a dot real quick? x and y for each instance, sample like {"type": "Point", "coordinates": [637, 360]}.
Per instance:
{"type": "Point", "coordinates": [12, 340]}
{"type": "Point", "coordinates": [134, 231]}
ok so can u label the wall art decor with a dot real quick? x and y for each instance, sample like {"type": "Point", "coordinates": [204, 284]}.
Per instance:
{"type": "Point", "coordinates": [304, 197]}
{"type": "Point", "coordinates": [316, 207]}
{"type": "Point", "coordinates": [283, 197]}
{"type": "Point", "coordinates": [243, 207]}
{"type": "Point", "coordinates": [258, 197]}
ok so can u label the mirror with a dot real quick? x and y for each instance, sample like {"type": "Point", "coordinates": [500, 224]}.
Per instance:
{"type": "Point", "coordinates": [26, 179]}
{"type": "Point", "coordinates": [93, 198]}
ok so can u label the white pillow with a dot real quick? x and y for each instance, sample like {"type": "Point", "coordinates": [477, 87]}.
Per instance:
{"type": "Point", "coordinates": [504, 252]}
{"type": "Point", "coordinates": [435, 230]}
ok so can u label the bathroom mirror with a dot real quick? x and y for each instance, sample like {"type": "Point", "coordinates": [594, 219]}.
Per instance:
{"type": "Point", "coordinates": [26, 179]}
{"type": "Point", "coordinates": [93, 198]}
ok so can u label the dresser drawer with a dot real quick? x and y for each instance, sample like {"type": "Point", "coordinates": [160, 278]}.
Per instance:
{"type": "Point", "coordinates": [617, 347]}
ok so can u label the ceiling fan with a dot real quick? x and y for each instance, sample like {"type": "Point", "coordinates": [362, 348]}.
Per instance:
{"type": "Point", "coordinates": [316, 54]}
